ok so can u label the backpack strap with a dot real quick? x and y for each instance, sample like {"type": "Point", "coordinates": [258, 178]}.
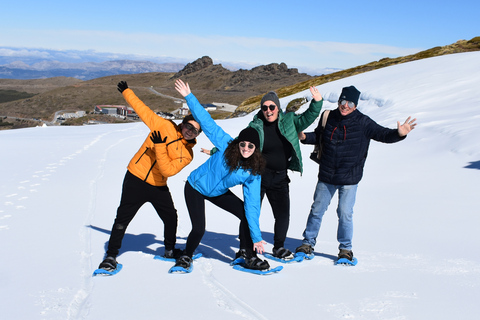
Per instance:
{"type": "Point", "coordinates": [321, 125]}
{"type": "Point", "coordinates": [325, 117]}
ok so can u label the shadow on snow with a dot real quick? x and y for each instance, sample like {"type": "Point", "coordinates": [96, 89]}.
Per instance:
{"type": "Point", "coordinates": [214, 245]}
{"type": "Point", "coordinates": [473, 165]}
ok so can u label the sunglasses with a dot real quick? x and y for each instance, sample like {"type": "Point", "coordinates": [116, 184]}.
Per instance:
{"type": "Point", "coordinates": [190, 127]}
{"type": "Point", "coordinates": [271, 107]}
{"type": "Point", "coordinates": [350, 104]}
{"type": "Point", "coordinates": [243, 144]}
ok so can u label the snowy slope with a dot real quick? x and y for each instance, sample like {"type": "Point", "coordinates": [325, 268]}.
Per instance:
{"type": "Point", "coordinates": [416, 219]}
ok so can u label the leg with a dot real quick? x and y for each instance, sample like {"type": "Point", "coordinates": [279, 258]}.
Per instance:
{"type": "Point", "coordinates": [132, 199]}
{"type": "Point", "coordinates": [231, 203]}
{"type": "Point", "coordinates": [278, 195]}
{"type": "Point", "coordinates": [196, 209]}
{"type": "Point", "coordinates": [161, 200]}
{"type": "Point", "coordinates": [346, 201]}
{"type": "Point", "coordinates": [321, 200]}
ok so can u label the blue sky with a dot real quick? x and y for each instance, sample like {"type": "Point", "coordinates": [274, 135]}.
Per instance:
{"type": "Point", "coordinates": [306, 34]}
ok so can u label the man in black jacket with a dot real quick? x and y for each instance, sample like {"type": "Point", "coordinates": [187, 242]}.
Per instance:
{"type": "Point", "coordinates": [345, 141]}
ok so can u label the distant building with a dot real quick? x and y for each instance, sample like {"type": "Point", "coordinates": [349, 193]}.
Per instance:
{"type": "Point", "coordinates": [166, 115]}
{"type": "Point", "coordinates": [208, 106]}
{"type": "Point", "coordinates": [69, 115]}
{"type": "Point", "coordinates": [115, 110]}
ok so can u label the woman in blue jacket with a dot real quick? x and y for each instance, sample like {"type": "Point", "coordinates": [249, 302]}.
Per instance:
{"type": "Point", "coordinates": [236, 162]}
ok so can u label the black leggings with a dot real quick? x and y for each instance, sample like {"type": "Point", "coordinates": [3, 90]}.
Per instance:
{"type": "Point", "coordinates": [136, 193]}
{"type": "Point", "coordinates": [196, 208]}
{"type": "Point", "coordinates": [275, 185]}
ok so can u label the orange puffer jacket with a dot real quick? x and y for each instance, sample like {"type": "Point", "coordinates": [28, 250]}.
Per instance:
{"type": "Point", "coordinates": [154, 163]}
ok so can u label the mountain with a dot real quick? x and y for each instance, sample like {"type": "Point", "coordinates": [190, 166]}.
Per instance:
{"type": "Point", "coordinates": [84, 70]}
{"type": "Point", "coordinates": [457, 47]}
{"type": "Point", "coordinates": [213, 82]}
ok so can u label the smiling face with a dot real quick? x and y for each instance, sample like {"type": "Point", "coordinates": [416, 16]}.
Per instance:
{"type": "Point", "coordinates": [190, 130]}
{"type": "Point", "coordinates": [246, 148]}
{"type": "Point", "coordinates": [345, 107]}
{"type": "Point", "coordinates": [269, 114]}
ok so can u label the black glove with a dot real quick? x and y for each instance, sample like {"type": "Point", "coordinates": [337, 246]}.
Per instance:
{"type": "Point", "coordinates": [157, 138]}
{"type": "Point", "coordinates": [121, 86]}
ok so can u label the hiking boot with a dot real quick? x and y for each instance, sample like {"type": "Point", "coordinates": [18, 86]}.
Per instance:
{"type": "Point", "coordinates": [109, 264]}
{"type": "Point", "coordinates": [184, 262]}
{"type": "Point", "coordinates": [345, 254]}
{"type": "Point", "coordinates": [305, 248]}
{"type": "Point", "coordinates": [242, 253]}
{"type": "Point", "coordinates": [256, 263]}
{"type": "Point", "coordinates": [173, 254]}
{"type": "Point", "coordinates": [282, 253]}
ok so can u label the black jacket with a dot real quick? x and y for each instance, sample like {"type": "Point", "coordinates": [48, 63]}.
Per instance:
{"type": "Point", "coordinates": [345, 146]}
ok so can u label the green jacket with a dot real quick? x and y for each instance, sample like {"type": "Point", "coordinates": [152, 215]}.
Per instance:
{"type": "Point", "coordinates": [290, 124]}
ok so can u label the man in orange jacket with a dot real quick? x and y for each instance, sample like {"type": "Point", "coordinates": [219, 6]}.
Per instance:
{"type": "Point", "coordinates": [165, 152]}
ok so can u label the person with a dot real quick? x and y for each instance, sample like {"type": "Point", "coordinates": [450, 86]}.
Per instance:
{"type": "Point", "coordinates": [165, 152]}
{"type": "Point", "coordinates": [280, 146]}
{"type": "Point", "coordinates": [235, 162]}
{"type": "Point", "coordinates": [345, 141]}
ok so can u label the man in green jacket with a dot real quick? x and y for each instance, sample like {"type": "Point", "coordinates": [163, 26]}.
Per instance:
{"type": "Point", "coordinates": [280, 146]}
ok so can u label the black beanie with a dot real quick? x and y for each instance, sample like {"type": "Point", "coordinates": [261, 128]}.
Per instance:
{"type": "Point", "coordinates": [272, 96]}
{"type": "Point", "coordinates": [251, 135]}
{"type": "Point", "coordinates": [350, 94]}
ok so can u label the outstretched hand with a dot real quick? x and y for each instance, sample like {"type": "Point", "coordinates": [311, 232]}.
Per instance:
{"type": "Point", "coordinates": [317, 96]}
{"type": "Point", "coordinates": [258, 246]}
{"type": "Point", "coordinates": [182, 87]}
{"type": "Point", "coordinates": [122, 86]}
{"type": "Point", "coordinates": [406, 127]}
{"type": "Point", "coordinates": [157, 138]}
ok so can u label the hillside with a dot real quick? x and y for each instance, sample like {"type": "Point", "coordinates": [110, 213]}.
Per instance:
{"type": "Point", "coordinates": [459, 46]}
{"type": "Point", "coordinates": [212, 83]}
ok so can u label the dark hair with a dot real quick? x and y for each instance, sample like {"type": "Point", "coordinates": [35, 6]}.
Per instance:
{"type": "Point", "coordinates": [190, 117]}
{"type": "Point", "coordinates": [234, 159]}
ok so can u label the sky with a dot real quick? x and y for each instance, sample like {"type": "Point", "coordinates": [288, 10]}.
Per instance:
{"type": "Point", "coordinates": [415, 219]}
{"type": "Point", "coordinates": [310, 35]}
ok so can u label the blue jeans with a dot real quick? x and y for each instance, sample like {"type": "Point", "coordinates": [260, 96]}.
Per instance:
{"type": "Point", "coordinates": [321, 200]}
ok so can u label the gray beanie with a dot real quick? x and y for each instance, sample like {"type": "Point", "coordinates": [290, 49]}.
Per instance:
{"type": "Point", "coordinates": [272, 96]}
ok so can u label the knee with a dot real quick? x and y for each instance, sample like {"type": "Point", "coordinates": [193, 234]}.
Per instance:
{"type": "Point", "coordinates": [119, 226]}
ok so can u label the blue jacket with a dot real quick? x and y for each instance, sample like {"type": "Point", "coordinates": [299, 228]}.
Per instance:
{"type": "Point", "coordinates": [213, 177]}
{"type": "Point", "coordinates": [345, 142]}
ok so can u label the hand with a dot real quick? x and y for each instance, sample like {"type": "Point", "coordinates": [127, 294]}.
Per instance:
{"type": "Point", "coordinates": [157, 138]}
{"type": "Point", "coordinates": [122, 86]}
{"type": "Point", "coordinates": [315, 94]}
{"type": "Point", "coordinates": [182, 88]}
{"type": "Point", "coordinates": [301, 135]}
{"type": "Point", "coordinates": [258, 246]}
{"type": "Point", "coordinates": [406, 127]}
{"type": "Point", "coordinates": [205, 151]}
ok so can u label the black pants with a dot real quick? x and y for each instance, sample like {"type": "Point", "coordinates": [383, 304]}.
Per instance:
{"type": "Point", "coordinates": [275, 184]}
{"type": "Point", "coordinates": [196, 208]}
{"type": "Point", "coordinates": [136, 193]}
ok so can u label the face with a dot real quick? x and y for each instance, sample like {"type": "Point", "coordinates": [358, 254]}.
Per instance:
{"type": "Point", "coordinates": [190, 130]}
{"type": "Point", "coordinates": [246, 148]}
{"type": "Point", "coordinates": [270, 115]}
{"type": "Point", "coordinates": [345, 108]}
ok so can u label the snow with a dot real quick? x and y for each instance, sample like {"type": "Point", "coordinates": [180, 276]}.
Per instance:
{"type": "Point", "coordinates": [416, 219]}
